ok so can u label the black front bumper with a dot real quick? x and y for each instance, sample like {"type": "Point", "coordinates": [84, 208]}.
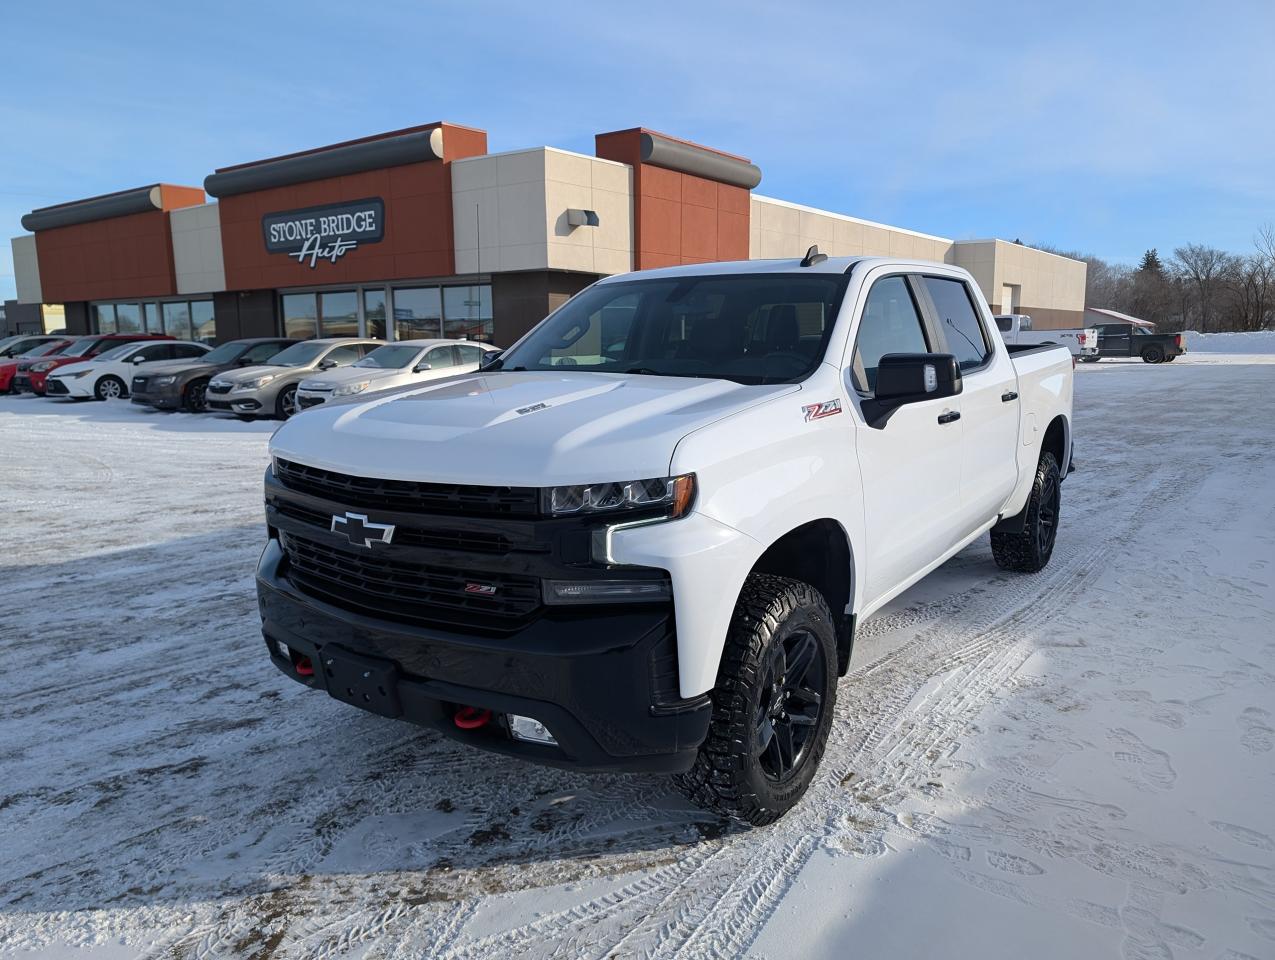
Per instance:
{"type": "Point", "coordinates": [54, 387]}
{"type": "Point", "coordinates": [590, 675]}
{"type": "Point", "coordinates": [162, 399]}
{"type": "Point", "coordinates": [21, 383]}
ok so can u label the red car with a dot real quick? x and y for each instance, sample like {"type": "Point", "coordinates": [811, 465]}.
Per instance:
{"type": "Point", "coordinates": [31, 373]}
{"type": "Point", "coordinates": [10, 366]}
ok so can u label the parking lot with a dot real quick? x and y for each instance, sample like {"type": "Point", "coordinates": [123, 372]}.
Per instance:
{"type": "Point", "coordinates": [1075, 763]}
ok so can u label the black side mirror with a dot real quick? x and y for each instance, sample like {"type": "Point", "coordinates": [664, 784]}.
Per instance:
{"type": "Point", "coordinates": [488, 358]}
{"type": "Point", "coordinates": [326, 364]}
{"type": "Point", "coordinates": [422, 367]}
{"type": "Point", "coordinates": [904, 378]}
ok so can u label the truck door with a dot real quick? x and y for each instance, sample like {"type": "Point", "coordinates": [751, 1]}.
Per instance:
{"type": "Point", "coordinates": [989, 401]}
{"type": "Point", "coordinates": [911, 467]}
{"type": "Point", "coordinates": [1116, 340]}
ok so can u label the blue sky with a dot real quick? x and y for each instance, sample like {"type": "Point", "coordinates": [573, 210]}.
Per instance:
{"type": "Point", "coordinates": [1105, 127]}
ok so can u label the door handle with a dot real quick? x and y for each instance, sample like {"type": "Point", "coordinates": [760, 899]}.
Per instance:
{"type": "Point", "coordinates": [950, 416]}
{"type": "Point", "coordinates": [1008, 395]}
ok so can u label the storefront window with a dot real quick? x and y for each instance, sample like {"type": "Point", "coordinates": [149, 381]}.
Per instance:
{"type": "Point", "coordinates": [340, 314]}
{"type": "Point", "coordinates": [467, 312]}
{"type": "Point", "coordinates": [105, 317]}
{"type": "Point", "coordinates": [417, 313]}
{"type": "Point", "coordinates": [177, 320]}
{"type": "Point", "coordinates": [153, 324]}
{"type": "Point", "coordinates": [128, 318]}
{"type": "Point", "coordinates": [300, 315]}
{"type": "Point", "coordinates": [374, 313]}
{"type": "Point", "coordinates": [203, 320]}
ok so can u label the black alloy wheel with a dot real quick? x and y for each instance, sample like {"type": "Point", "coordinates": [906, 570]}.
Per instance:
{"type": "Point", "coordinates": [1047, 512]}
{"type": "Point", "coordinates": [1153, 355]}
{"type": "Point", "coordinates": [195, 399]}
{"type": "Point", "coordinates": [791, 701]}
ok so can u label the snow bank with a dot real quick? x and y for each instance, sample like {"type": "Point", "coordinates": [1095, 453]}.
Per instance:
{"type": "Point", "coordinates": [1256, 341]}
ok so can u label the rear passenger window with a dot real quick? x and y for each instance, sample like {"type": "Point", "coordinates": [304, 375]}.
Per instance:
{"type": "Point", "coordinates": [440, 357]}
{"type": "Point", "coordinates": [182, 351]}
{"type": "Point", "coordinates": [891, 324]}
{"type": "Point", "coordinates": [963, 332]}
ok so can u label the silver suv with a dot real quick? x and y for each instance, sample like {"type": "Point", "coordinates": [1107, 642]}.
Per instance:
{"type": "Point", "coordinates": [271, 390]}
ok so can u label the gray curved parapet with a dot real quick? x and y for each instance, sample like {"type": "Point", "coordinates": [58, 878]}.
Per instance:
{"type": "Point", "coordinates": [353, 158]}
{"type": "Point", "coordinates": [688, 158]}
{"type": "Point", "coordinates": [141, 200]}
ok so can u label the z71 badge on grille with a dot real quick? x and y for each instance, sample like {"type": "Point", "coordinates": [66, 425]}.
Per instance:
{"type": "Point", "coordinates": [817, 411]}
{"type": "Point", "coordinates": [360, 531]}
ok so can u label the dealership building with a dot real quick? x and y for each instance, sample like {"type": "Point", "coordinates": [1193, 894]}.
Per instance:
{"type": "Point", "coordinates": [422, 233]}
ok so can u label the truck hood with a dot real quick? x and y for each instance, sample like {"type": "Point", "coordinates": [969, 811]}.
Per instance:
{"type": "Point", "coordinates": [516, 428]}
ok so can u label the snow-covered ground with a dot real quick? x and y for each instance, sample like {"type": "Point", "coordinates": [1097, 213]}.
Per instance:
{"type": "Point", "coordinates": [1256, 341]}
{"type": "Point", "coordinates": [1072, 764]}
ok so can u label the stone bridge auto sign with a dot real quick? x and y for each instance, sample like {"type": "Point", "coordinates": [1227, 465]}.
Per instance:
{"type": "Point", "coordinates": [326, 233]}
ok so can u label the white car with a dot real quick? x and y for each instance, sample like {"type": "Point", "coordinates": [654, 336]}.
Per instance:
{"type": "Point", "coordinates": [394, 365]}
{"type": "Point", "coordinates": [640, 538]}
{"type": "Point", "coordinates": [106, 376]}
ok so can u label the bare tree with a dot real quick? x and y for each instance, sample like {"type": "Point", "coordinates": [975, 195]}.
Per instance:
{"type": "Point", "coordinates": [1202, 268]}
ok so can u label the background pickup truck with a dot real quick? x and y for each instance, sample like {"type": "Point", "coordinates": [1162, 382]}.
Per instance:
{"type": "Point", "coordinates": [641, 538]}
{"type": "Point", "coordinates": [1016, 330]}
{"type": "Point", "coordinates": [1128, 340]}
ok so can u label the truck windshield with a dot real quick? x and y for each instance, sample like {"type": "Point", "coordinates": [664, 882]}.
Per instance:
{"type": "Point", "coordinates": [749, 328]}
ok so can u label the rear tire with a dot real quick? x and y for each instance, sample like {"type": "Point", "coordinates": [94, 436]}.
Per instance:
{"type": "Point", "coordinates": [1030, 550]}
{"type": "Point", "coordinates": [1153, 355]}
{"type": "Point", "coordinates": [772, 705]}
{"type": "Point", "coordinates": [110, 388]}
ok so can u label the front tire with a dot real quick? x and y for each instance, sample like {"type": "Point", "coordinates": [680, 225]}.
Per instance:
{"type": "Point", "coordinates": [195, 398]}
{"type": "Point", "coordinates": [110, 388]}
{"type": "Point", "coordinates": [286, 405]}
{"type": "Point", "coordinates": [772, 705]}
{"type": "Point", "coordinates": [1030, 550]}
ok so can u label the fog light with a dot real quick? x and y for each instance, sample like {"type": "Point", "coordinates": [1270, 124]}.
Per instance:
{"type": "Point", "coordinates": [532, 731]}
{"type": "Point", "coordinates": [283, 649]}
{"type": "Point", "coordinates": [606, 591]}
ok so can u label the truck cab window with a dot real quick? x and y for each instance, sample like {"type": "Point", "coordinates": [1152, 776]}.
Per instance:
{"type": "Point", "coordinates": [1004, 324]}
{"type": "Point", "coordinates": [891, 324]}
{"type": "Point", "coordinates": [960, 324]}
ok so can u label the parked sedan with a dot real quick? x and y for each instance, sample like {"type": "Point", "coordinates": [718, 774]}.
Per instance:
{"type": "Point", "coordinates": [393, 365]}
{"type": "Point", "coordinates": [272, 390]}
{"type": "Point", "coordinates": [107, 375]}
{"type": "Point", "coordinates": [184, 384]}
{"type": "Point", "coordinates": [9, 367]}
{"type": "Point", "coordinates": [32, 374]}
{"type": "Point", "coordinates": [23, 343]}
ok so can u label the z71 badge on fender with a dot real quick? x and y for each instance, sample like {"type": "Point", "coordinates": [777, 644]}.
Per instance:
{"type": "Point", "coordinates": [817, 411]}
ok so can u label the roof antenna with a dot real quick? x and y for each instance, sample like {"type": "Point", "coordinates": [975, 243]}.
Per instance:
{"type": "Point", "coordinates": [813, 256]}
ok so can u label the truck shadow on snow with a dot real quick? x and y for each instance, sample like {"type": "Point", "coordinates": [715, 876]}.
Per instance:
{"type": "Point", "coordinates": [150, 753]}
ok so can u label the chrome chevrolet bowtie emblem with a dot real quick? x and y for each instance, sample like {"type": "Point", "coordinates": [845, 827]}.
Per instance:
{"type": "Point", "coordinates": [360, 531]}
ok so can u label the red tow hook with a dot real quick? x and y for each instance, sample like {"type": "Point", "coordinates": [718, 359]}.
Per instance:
{"type": "Point", "coordinates": [304, 667]}
{"type": "Point", "coordinates": [471, 718]}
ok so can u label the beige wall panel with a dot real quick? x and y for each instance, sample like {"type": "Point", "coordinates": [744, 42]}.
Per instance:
{"type": "Point", "coordinates": [26, 269]}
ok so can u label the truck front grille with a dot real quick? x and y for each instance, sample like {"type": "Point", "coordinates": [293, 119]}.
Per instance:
{"type": "Point", "coordinates": [409, 496]}
{"type": "Point", "coordinates": [470, 541]}
{"type": "Point", "coordinates": [409, 592]}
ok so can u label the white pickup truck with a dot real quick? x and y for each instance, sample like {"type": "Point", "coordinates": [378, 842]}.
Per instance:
{"type": "Point", "coordinates": [1016, 330]}
{"type": "Point", "coordinates": [640, 539]}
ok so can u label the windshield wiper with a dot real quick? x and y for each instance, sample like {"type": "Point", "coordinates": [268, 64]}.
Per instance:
{"type": "Point", "coordinates": [646, 370]}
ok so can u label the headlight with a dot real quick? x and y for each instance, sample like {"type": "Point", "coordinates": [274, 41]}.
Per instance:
{"type": "Point", "coordinates": [82, 373]}
{"type": "Point", "coordinates": [673, 494]}
{"type": "Point", "coordinates": [349, 389]}
{"type": "Point", "coordinates": [165, 381]}
{"type": "Point", "coordinates": [42, 366]}
{"type": "Point", "coordinates": [254, 384]}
